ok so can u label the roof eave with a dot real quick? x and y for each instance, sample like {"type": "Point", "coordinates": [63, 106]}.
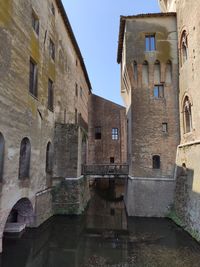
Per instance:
{"type": "Point", "coordinates": [73, 39]}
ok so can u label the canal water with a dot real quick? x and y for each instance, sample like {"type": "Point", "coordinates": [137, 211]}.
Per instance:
{"type": "Point", "coordinates": [103, 237]}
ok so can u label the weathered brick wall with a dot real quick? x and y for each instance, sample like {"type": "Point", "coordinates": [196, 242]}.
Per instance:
{"type": "Point", "coordinates": [66, 150]}
{"type": "Point", "coordinates": [71, 196]}
{"type": "Point", "coordinates": [150, 191]}
{"type": "Point", "coordinates": [107, 115]}
{"type": "Point", "coordinates": [148, 112]}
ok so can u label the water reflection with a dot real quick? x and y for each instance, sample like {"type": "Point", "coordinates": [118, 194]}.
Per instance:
{"type": "Point", "coordinates": [87, 242]}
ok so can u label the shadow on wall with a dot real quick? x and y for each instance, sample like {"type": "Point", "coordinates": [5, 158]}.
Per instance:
{"type": "Point", "coordinates": [187, 201]}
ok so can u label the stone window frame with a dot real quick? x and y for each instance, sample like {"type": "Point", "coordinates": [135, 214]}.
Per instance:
{"type": "Point", "coordinates": [165, 127]}
{"type": "Point", "coordinates": [35, 22]}
{"type": "Point", "coordinates": [50, 103]}
{"type": "Point", "coordinates": [33, 78]}
{"type": "Point", "coordinates": [52, 8]}
{"type": "Point", "coordinates": [52, 49]}
{"type": "Point", "coordinates": [184, 53]}
{"type": "Point", "coordinates": [24, 159]}
{"type": "Point", "coordinates": [76, 89]}
{"type": "Point", "coordinates": [49, 158]}
{"type": "Point", "coordinates": [97, 133]}
{"type": "Point", "coordinates": [187, 114]}
{"type": "Point", "coordinates": [156, 162]}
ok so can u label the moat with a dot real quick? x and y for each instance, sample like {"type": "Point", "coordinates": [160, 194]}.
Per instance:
{"type": "Point", "coordinates": [104, 237]}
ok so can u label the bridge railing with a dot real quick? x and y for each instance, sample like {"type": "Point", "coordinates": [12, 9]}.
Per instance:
{"type": "Point", "coordinates": [105, 169]}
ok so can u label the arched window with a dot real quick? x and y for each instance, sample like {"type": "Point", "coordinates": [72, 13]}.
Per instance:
{"type": "Point", "coordinates": [145, 73]}
{"type": "Point", "coordinates": [135, 71]}
{"type": "Point", "coordinates": [24, 160]}
{"type": "Point", "coordinates": [168, 72]}
{"type": "Point", "coordinates": [156, 162]}
{"type": "Point", "coordinates": [157, 72]}
{"type": "Point", "coordinates": [2, 147]}
{"type": "Point", "coordinates": [184, 47]}
{"type": "Point", "coordinates": [187, 115]}
{"type": "Point", "coordinates": [49, 158]}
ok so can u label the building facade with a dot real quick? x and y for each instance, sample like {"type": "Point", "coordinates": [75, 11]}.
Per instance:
{"type": "Point", "coordinates": [107, 132]}
{"type": "Point", "coordinates": [148, 56]}
{"type": "Point", "coordinates": [43, 105]}
{"type": "Point", "coordinates": [187, 202]}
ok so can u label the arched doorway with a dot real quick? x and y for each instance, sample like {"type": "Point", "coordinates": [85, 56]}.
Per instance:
{"type": "Point", "coordinates": [21, 216]}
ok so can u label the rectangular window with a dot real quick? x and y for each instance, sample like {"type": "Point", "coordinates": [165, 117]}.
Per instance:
{"type": "Point", "coordinates": [158, 91]}
{"type": "Point", "coordinates": [76, 89]}
{"type": "Point", "coordinates": [115, 134]}
{"type": "Point", "coordinates": [52, 9]}
{"type": "Point", "coordinates": [35, 23]}
{"type": "Point", "coordinates": [81, 92]}
{"type": "Point", "coordinates": [150, 42]}
{"type": "Point", "coordinates": [33, 78]}
{"type": "Point", "coordinates": [112, 160]}
{"type": "Point", "coordinates": [164, 127]}
{"type": "Point", "coordinates": [97, 132]}
{"type": "Point", "coordinates": [52, 49]}
{"type": "Point", "coordinates": [50, 95]}
{"type": "Point", "coordinates": [76, 116]}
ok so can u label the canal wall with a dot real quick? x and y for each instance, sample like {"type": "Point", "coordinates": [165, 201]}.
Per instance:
{"type": "Point", "coordinates": [71, 196]}
{"type": "Point", "coordinates": [149, 197]}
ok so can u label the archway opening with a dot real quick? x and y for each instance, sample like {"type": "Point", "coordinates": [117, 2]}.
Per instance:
{"type": "Point", "coordinates": [20, 216]}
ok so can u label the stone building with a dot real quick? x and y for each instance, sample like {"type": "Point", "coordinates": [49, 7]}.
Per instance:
{"type": "Point", "coordinates": [44, 91]}
{"type": "Point", "coordinates": [107, 132]}
{"type": "Point", "coordinates": [187, 198]}
{"type": "Point", "coordinates": [148, 56]}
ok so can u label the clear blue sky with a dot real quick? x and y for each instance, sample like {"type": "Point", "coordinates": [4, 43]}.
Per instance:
{"type": "Point", "coordinates": [96, 26]}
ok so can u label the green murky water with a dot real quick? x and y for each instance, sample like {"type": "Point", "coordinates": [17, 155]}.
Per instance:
{"type": "Point", "coordinates": [103, 237]}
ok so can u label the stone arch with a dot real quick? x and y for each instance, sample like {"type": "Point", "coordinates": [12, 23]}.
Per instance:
{"type": "Point", "coordinates": [145, 73]}
{"type": "Point", "coordinates": [157, 72]}
{"type": "Point", "coordinates": [168, 72]}
{"type": "Point", "coordinates": [24, 160]}
{"type": "Point", "coordinates": [21, 213]}
{"type": "Point", "coordinates": [2, 150]}
{"type": "Point", "coordinates": [49, 158]}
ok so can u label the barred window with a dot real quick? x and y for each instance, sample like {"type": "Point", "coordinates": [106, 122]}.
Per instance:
{"type": "Point", "coordinates": [115, 134]}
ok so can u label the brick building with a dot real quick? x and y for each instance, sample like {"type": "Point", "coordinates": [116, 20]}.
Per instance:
{"type": "Point", "coordinates": [148, 56]}
{"type": "Point", "coordinates": [107, 132]}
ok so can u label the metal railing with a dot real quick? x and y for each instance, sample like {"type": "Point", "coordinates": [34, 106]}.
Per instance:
{"type": "Point", "coordinates": [105, 169]}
